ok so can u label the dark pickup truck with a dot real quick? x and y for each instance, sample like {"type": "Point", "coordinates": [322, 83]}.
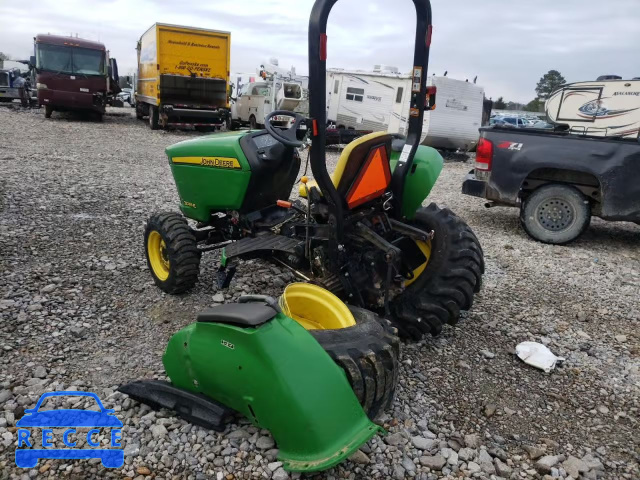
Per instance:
{"type": "Point", "coordinates": [558, 179]}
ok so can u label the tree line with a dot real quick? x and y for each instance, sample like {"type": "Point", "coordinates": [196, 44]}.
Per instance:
{"type": "Point", "coordinates": [547, 84]}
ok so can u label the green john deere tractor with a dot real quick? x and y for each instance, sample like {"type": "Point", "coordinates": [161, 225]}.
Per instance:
{"type": "Point", "coordinates": [360, 232]}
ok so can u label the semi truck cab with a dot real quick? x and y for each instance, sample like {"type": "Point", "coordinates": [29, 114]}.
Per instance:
{"type": "Point", "coordinates": [73, 74]}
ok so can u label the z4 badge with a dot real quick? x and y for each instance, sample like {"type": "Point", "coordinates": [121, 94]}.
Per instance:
{"type": "Point", "coordinates": [510, 145]}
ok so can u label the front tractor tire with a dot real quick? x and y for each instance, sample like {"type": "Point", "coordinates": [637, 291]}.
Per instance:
{"type": "Point", "coordinates": [172, 253]}
{"type": "Point", "coordinates": [446, 284]}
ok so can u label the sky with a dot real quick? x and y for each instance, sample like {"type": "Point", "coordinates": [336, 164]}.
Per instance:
{"type": "Point", "coordinates": [508, 45]}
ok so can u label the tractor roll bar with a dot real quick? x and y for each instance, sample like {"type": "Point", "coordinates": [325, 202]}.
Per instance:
{"type": "Point", "coordinates": [318, 107]}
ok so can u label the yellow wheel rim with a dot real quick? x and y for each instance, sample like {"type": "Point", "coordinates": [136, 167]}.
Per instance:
{"type": "Point", "coordinates": [158, 256]}
{"type": "Point", "coordinates": [425, 248]}
{"type": "Point", "coordinates": [315, 308]}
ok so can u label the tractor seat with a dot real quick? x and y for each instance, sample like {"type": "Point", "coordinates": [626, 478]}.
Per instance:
{"type": "Point", "coordinates": [351, 159]}
{"type": "Point", "coordinates": [239, 314]}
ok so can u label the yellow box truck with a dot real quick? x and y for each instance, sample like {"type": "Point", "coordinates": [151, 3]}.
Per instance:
{"type": "Point", "coordinates": [183, 77]}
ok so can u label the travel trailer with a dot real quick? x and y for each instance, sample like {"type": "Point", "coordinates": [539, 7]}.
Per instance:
{"type": "Point", "coordinates": [455, 121]}
{"type": "Point", "coordinates": [608, 107]}
{"type": "Point", "coordinates": [379, 101]}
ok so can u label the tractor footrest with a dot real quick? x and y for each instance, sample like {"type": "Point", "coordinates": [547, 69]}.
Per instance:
{"type": "Point", "coordinates": [262, 243]}
{"type": "Point", "coordinates": [195, 408]}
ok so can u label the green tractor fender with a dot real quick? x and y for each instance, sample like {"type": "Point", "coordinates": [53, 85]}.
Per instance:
{"type": "Point", "coordinates": [277, 375]}
{"type": "Point", "coordinates": [427, 165]}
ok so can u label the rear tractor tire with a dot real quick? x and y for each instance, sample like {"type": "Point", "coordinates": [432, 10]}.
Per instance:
{"type": "Point", "coordinates": [368, 352]}
{"type": "Point", "coordinates": [446, 284]}
{"type": "Point", "coordinates": [172, 253]}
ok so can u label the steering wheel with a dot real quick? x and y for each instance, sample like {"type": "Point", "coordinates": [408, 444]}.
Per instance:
{"type": "Point", "coordinates": [286, 136]}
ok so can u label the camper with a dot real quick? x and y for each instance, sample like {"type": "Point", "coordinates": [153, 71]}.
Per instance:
{"type": "Point", "coordinates": [368, 101]}
{"type": "Point", "coordinates": [455, 121]}
{"type": "Point", "coordinates": [379, 101]}
{"type": "Point", "coordinates": [609, 107]}
{"type": "Point", "coordinates": [183, 77]}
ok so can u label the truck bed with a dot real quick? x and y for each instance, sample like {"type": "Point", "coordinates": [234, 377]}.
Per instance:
{"type": "Point", "coordinates": [606, 170]}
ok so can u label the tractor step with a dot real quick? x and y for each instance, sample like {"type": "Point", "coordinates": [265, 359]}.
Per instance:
{"type": "Point", "coordinates": [195, 408]}
{"type": "Point", "coordinates": [264, 243]}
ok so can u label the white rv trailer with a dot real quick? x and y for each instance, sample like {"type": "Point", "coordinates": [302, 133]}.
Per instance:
{"type": "Point", "coordinates": [367, 100]}
{"type": "Point", "coordinates": [608, 108]}
{"type": "Point", "coordinates": [379, 101]}
{"type": "Point", "coordinates": [457, 117]}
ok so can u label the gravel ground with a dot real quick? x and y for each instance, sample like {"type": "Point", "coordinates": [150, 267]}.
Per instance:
{"type": "Point", "coordinates": [78, 310]}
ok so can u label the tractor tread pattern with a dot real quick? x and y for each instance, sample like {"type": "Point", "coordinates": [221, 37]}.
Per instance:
{"type": "Point", "coordinates": [369, 355]}
{"type": "Point", "coordinates": [182, 249]}
{"type": "Point", "coordinates": [448, 283]}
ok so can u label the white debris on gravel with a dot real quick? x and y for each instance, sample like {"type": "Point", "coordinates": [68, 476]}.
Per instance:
{"type": "Point", "coordinates": [78, 311]}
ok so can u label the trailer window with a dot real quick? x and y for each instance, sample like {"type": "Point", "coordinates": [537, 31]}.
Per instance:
{"type": "Point", "coordinates": [356, 94]}
{"type": "Point", "coordinates": [335, 86]}
{"type": "Point", "coordinates": [399, 94]}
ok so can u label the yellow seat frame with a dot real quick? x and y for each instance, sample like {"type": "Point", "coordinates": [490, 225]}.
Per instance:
{"type": "Point", "coordinates": [342, 162]}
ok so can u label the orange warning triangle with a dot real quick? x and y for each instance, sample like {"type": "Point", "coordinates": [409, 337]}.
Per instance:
{"type": "Point", "coordinates": [373, 179]}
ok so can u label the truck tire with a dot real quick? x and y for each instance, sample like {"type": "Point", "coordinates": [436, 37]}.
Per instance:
{"type": "Point", "coordinates": [555, 214]}
{"type": "Point", "coordinates": [153, 117]}
{"type": "Point", "coordinates": [451, 276]}
{"type": "Point", "coordinates": [231, 125]}
{"type": "Point", "coordinates": [172, 253]}
{"type": "Point", "coordinates": [48, 110]}
{"type": "Point", "coordinates": [253, 124]}
{"type": "Point", "coordinates": [368, 352]}
{"type": "Point", "coordinates": [139, 111]}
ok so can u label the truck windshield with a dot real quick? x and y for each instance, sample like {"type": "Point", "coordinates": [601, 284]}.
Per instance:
{"type": "Point", "coordinates": [62, 59]}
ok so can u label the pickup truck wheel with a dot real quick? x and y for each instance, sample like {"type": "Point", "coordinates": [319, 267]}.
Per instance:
{"type": "Point", "coordinates": [555, 214]}
{"type": "Point", "coordinates": [445, 284]}
{"type": "Point", "coordinates": [48, 110]}
{"type": "Point", "coordinates": [253, 123]}
{"type": "Point", "coordinates": [153, 117]}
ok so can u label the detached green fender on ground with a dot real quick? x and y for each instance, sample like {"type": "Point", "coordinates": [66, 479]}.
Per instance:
{"type": "Point", "coordinates": [280, 378]}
